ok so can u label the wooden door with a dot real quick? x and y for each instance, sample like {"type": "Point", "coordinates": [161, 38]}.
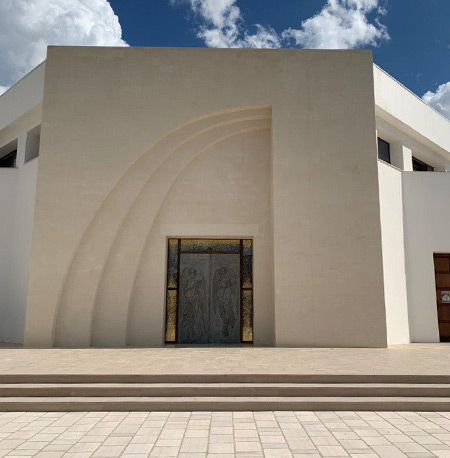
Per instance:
{"type": "Point", "coordinates": [442, 275]}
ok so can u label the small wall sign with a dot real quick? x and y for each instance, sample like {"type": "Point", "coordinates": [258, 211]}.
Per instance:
{"type": "Point", "coordinates": [445, 297]}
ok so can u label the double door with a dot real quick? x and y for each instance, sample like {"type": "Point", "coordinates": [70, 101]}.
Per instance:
{"type": "Point", "coordinates": [209, 298]}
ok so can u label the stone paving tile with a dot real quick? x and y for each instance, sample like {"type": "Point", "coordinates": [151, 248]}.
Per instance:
{"type": "Point", "coordinates": [225, 434]}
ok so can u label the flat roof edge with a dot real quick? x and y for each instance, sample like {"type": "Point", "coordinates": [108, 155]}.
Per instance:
{"type": "Point", "coordinates": [411, 92]}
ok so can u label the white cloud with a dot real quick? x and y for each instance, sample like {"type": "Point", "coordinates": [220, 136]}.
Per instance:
{"type": "Point", "coordinates": [28, 26]}
{"type": "Point", "coordinates": [222, 26]}
{"type": "Point", "coordinates": [440, 99]}
{"type": "Point", "coordinates": [340, 24]}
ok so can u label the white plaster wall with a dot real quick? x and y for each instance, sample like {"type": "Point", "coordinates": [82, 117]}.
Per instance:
{"type": "Point", "coordinates": [17, 198]}
{"type": "Point", "coordinates": [21, 98]}
{"type": "Point", "coordinates": [391, 213]}
{"type": "Point", "coordinates": [410, 114]}
{"type": "Point", "coordinates": [426, 197]}
{"type": "Point", "coordinates": [8, 186]}
{"type": "Point", "coordinates": [20, 111]}
{"type": "Point", "coordinates": [398, 139]}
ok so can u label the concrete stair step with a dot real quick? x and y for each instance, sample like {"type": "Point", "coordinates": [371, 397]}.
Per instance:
{"type": "Point", "coordinates": [222, 378]}
{"type": "Point", "coordinates": [223, 403]}
{"type": "Point", "coordinates": [55, 390]}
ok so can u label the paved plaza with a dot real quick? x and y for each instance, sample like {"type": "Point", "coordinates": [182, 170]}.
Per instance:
{"type": "Point", "coordinates": [225, 434]}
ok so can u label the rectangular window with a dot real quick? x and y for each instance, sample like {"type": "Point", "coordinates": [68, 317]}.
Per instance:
{"type": "Point", "coordinates": [420, 166]}
{"type": "Point", "coordinates": [9, 160]}
{"type": "Point", "coordinates": [384, 150]}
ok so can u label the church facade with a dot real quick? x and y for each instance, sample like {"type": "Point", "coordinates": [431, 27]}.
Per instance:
{"type": "Point", "coordinates": [155, 197]}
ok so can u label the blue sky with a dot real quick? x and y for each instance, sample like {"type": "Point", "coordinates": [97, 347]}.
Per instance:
{"type": "Point", "coordinates": [418, 53]}
{"type": "Point", "coordinates": [410, 39]}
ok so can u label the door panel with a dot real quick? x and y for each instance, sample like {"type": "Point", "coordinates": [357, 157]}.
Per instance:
{"type": "Point", "coordinates": [442, 275]}
{"type": "Point", "coordinates": [441, 264]}
{"type": "Point", "coordinates": [225, 299]}
{"type": "Point", "coordinates": [443, 280]}
{"type": "Point", "coordinates": [444, 313]}
{"type": "Point", "coordinates": [444, 331]}
{"type": "Point", "coordinates": [193, 320]}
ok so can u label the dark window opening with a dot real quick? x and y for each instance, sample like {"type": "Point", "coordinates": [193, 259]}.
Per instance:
{"type": "Point", "coordinates": [384, 150]}
{"type": "Point", "coordinates": [420, 166]}
{"type": "Point", "coordinates": [9, 160]}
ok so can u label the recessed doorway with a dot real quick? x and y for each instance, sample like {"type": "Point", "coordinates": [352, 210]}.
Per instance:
{"type": "Point", "coordinates": [442, 276]}
{"type": "Point", "coordinates": [209, 297]}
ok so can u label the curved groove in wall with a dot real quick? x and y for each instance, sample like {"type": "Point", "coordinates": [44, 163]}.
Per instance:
{"type": "Point", "coordinates": [199, 156]}
{"type": "Point", "coordinates": [82, 278]}
{"type": "Point", "coordinates": [109, 325]}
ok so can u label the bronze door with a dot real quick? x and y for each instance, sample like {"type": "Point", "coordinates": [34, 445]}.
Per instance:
{"type": "Point", "coordinates": [209, 307]}
{"type": "Point", "coordinates": [442, 276]}
{"type": "Point", "coordinates": [209, 295]}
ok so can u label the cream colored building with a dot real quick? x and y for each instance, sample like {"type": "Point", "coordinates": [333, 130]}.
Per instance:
{"type": "Point", "coordinates": [159, 196]}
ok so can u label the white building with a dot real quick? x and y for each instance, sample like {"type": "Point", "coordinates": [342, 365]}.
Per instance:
{"type": "Point", "coordinates": [221, 196]}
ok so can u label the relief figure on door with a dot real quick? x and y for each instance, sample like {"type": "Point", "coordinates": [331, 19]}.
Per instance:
{"type": "Point", "coordinates": [225, 297]}
{"type": "Point", "coordinates": [194, 311]}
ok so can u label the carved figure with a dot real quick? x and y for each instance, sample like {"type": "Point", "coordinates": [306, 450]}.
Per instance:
{"type": "Point", "coordinates": [193, 292]}
{"type": "Point", "coordinates": [224, 298]}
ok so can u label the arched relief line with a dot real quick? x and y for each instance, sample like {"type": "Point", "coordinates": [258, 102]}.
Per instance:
{"type": "Point", "coordinates": [86, 262]}
{"type": "Point", "coordinates": [119, 266]}
{"type": "Point", "coordinates": [234, 123]}
{"type": "Point", "coordinates": [90, 278]}
{"type": "Point", "coordinates": [196, 158]}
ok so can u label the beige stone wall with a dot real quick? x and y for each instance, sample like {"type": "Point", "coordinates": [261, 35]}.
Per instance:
{"type": "Point", "coordinates": [225, 191]}
{"type": "Point", "coordinates": [127, 133]}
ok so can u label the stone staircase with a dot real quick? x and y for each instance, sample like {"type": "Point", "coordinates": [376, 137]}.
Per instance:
{"type": "Point", "coordinates": [186, 392]}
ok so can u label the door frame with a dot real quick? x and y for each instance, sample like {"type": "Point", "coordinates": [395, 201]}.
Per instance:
{"type": "Point", "coordinates": [438, 289]}
{"type": "Point", "coordinates": [241, 246]}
